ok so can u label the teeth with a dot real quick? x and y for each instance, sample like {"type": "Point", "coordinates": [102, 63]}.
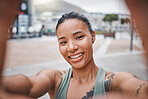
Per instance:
{"type": "Point", "coordinates": [76, 56]}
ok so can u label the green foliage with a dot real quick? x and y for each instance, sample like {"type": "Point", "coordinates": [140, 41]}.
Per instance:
{"type": "Point", "coordinates": [125, 20]}
{"type": "Point", "coordinates": [110, 18]}
{"type": "Point", "coordinates": [99, 32]}
{"type": "Point", "coordinates": [122, 21]}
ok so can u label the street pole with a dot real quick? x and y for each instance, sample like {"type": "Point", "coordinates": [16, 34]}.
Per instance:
{"type": "Point", "coordinates": [30, 11]}
{"type": "Point", "coordinates": [131, 42]}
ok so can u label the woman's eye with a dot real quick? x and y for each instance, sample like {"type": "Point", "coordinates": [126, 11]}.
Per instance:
{"type": "Point", "coordinates": [63, 42]}
{"type": "Point", "coordinates": [79, 37]}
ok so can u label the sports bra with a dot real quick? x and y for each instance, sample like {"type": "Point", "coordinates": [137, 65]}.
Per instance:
{"type": "Point", "coordinates": [99, 84]}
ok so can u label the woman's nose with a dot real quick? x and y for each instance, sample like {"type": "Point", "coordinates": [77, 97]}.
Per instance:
{"type": "Point", "coordinates": [72, 47]}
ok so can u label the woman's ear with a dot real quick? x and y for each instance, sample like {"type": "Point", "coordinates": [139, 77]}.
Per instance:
{"type": "Point", "coordinates": [93, 36]}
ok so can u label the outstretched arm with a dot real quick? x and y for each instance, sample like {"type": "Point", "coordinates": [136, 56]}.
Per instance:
{"type": "Point", "coordinates": [34, 86]}
{"type": "Point", "coordinates": [138, 9]}
{"type": "Point", "coordinates": [132, 85]}
{"type": "Point", "coordinates": [8, 10]}
{"type": "Point", "coordinates": [17, 84]}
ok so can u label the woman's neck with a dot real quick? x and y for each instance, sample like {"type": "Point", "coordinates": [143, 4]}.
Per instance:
{"type": "Point", "coordinates": [85, 74]}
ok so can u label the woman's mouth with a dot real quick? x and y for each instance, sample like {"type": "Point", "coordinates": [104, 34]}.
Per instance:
{"type": "Point", "coordinates": [76, 58]}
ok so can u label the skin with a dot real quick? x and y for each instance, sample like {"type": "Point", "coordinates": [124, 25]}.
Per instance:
{"type": "Point", "coordinates": [8, 10]}
{"type": "Point", "coordinates": [7, 16]}
{"type": "Point", "coordinates": [76, 39]}
{"type": "Point", "coordinates": [140, 15]}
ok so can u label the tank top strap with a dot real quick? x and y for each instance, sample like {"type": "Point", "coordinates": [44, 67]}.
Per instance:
{"type": "Point", "coordinates": [62, 90]}
{"type": "Point", "coordinates": [99, 84]}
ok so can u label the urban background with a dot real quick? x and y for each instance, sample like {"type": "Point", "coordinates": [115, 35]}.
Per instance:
{"type": "Point", "coordinates": [37, 19]}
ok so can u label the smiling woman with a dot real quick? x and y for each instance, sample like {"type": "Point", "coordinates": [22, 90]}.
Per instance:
{"type": "Point", "coordinates": [84, 79]}
{"type": "Point", "coordinates": [75, 42]}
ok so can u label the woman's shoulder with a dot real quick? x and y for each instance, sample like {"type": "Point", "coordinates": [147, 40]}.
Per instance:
{"type": "Point", "coordinates": [63, 71]}
{"type": "Point", "coordinates": [109, 74]}
{"type": "Point", "coordinates": [52, 72]}
{"type": "Point", "coordinates": [118, 78]}
{"type": "Point", "coordinates": [119, 75]}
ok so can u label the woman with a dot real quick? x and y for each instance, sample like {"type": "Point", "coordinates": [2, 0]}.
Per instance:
{"type": "Point", "coordinates": [84, 79]}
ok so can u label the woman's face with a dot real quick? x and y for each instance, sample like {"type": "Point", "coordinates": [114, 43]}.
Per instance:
{"type": "Point", "coordinates": [75, 42]}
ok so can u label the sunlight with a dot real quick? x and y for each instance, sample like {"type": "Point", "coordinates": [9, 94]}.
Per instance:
{"type": "Point", "coordinates": [36, 2]}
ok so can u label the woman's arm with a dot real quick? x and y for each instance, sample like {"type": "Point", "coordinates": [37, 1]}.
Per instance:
{"type": "Point", "coordinates": [34, 86]}
{"type": "Point", "coordinates": [132, 85]}
{"type": "Point", "coordinates": [17, 84]}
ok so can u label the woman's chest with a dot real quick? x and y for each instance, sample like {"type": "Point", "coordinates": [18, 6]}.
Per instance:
{"type": "Point", "coordinates": [80, 90]}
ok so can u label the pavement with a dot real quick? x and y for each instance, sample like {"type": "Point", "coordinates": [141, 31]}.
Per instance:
{"type": "Point", "coordinates": [29, 56]}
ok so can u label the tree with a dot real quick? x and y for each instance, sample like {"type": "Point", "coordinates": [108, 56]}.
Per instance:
{"type": "Point", "coordinates": [122, 21]}
{"type": "Point", "coordinates": [110, 18]}
{"type": "Point", "coordinates": [125, 20]}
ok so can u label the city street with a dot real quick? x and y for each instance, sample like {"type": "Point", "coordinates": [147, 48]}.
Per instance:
{"type": "Point", "coordinates": [28, 56]}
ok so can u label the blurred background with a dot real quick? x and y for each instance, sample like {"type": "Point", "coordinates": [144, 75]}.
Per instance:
{"type": "Point", "coordinates": [32, 45]}
{"type": "Point", "coordinates": [37, 15]}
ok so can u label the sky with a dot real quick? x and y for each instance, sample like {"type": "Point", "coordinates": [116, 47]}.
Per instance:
{"type": "Point", "coordinates": [100, 6]}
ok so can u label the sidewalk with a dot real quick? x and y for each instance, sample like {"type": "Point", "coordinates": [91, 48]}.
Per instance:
{"type": "Point", "coordinates": [30, 56]}
{"type": "Point", "coordinates": [43, 52]}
